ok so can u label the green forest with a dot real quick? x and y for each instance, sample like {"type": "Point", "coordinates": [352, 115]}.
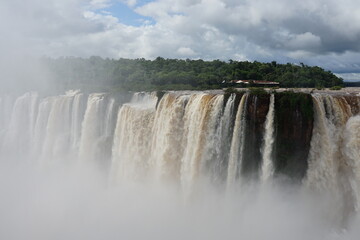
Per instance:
{"type": "Point", "coordinates": [176, 74]}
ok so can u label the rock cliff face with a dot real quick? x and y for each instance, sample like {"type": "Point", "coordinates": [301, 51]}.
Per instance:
{"type": "Point", "coordinates": [256, 110]}
{"type": "Point", "coordinates": [294, 118]}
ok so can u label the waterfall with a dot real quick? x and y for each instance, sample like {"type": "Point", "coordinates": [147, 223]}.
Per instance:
{"type": "Point", "coordinates": [166, 143]}
{"type": "Point", "coordinates": [57, 141]}
{"type": "Point", "coordinates": [351, 151]}
{"type": "Point", "coordinates": [332, 169]}
{"type": "Point", "coordinates": [325, 153]}
{"type": "Point", "coordinates": [267, 168]}
{"type": "Point", "coordinates": [237, 143]}
{"type": "Point", "coordinates": [209, 152]}
{"type": "Point", "coordinates": [20, 129]}
{"type": "Point", "coordinates": [192, 138]}
{"type": "Point", "coordinates": [167, 137]}
{"type": "Point", "coordinates": [221, 139]}
{"type": "Point", "coordinates": [58, 127]}
{"type": "Point", "coordinates": [97, 130]}
{"type": "Point", "coordinates": [6, 104]}
{"type": "Point", "coordinates": [212, 157]}
{"type": "Point", "coordinates": [40, 126]}
{"type": "Point", "coordinates": [78, 111]}
{"type": "Point", "coordinates": [202, 112]}
{"type": "Point", "coordinates": [132, 141]}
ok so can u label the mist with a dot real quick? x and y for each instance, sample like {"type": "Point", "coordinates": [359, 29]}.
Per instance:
{"type": "Point", "coordinates": [63, 202]}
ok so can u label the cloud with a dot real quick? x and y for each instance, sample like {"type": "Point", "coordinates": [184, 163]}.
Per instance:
{"type": "Point", "coordinates": [269, 23]}
{"type": "Point", "coordinates": [99, 4]}
{"type": "Point", "coordinates": [351, 77]}
{"type": "Point", "coordinates": [323, 32]}
{"type": "Point", "coordinates": [185, 51]}
{"type": "Point", "coordinates": [303, 41]}
{"type": "Point", "coordinates": [130, 3]}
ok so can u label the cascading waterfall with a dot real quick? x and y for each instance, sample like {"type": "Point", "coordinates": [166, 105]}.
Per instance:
{"type": "Point", "coordinates": [41, 121]}
{"type": "Point", "coordinates": [97, 129]}
{"type": "Point", "coordinates": [332, 168]}
{"type": "Point", "coordinates": [78, 111]}
{"type": "Point", "coordinates": [58, 130]}
{"type": "Point", "coordinates": [217, 150]}
{"type": "Point", "coordinates": [197, 114]}
{"type": "Point", "coordinates": [208, 163]}
{"type": "Point", "coordinates": [211, 161]}
{"type": "Point", "coordinates": [267, 168]}
{"type": "Point", "coordinates": [19, 131]}
{"type": "Point", "coordinates": [165, 142]}
{"type": "Point", "coordinates": [194, 138]}
{"type": "Point", "coordinates": [167, 132]}
{"type": "Point", "coordinates": [50, 128]}
{"type": "Point", "coordinates": [326, 155]}
{"type": "Point", "coordinates": [132, 140]}
{"type": "Point", "coordinates": [237, 143]}
{"type": "Point", "coordinates": [225, 132]}
{"type": "Point", "coordinates": [351, 152]}
{"type": "Point", "coordinates": [6, 103]}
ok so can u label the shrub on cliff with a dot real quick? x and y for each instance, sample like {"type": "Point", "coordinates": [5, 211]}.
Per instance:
{"type": "Point", "coordinates": [336, 88]}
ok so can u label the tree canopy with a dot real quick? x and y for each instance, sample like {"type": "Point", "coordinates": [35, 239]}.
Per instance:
{"type": "Point", "coordinates": [173, 74]}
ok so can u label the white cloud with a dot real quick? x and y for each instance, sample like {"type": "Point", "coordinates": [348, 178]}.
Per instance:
{"type": "Point", "coordinates": [299, 54]}
{"type": "Point", "coordinates": [99, 4]}
{"type": "Point", "coordinates": [351, 77]}
{"type": "Point", "coordinates": [185, 51]}
{"type": "Point", "coordinates": [130, 3]}
{"type": "Point", "coordinates": [303, 41]}
{"type": "Point", "coordinates": [324, 32]}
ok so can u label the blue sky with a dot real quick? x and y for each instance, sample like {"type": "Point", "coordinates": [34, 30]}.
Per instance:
{"type": "Point", "coordinates": [126, 13]}
{"type": "Point", "coordinates": [322, 32]}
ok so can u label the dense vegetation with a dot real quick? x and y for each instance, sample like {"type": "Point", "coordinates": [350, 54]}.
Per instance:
{"type": "Point", "coordinates": [166, 74]}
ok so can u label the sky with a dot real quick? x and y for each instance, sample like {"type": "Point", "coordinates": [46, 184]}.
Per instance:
{"type": "Point", "coordinates": [315, 32]}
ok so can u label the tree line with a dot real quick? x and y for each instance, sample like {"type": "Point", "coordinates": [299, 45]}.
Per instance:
{"type": "Point", "coordinates": [175, 74]}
